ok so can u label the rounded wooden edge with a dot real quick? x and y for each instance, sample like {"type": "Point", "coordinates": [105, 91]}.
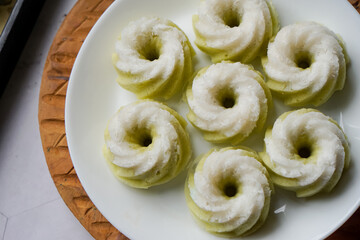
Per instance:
{"type": "Point", "coordinates": [356, 4]}
{"type": "Point", "coordinates": [58, 65]}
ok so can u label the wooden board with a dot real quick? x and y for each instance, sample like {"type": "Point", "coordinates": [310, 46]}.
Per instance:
{"type": "Point", "coordinates": [58, 65]}
{"type": "Point", "coordinates": [59, 62]}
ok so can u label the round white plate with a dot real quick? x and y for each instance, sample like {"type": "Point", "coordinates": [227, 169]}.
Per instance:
{"type": "Point", "coordinates": [161, 212]}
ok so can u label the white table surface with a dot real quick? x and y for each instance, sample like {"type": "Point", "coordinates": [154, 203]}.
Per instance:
{"type": "Point", "coordinates": [30, 205]}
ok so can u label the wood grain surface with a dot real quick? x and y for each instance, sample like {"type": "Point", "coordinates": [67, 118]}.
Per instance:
{"type": "Point", "coordinates": [59, 62]}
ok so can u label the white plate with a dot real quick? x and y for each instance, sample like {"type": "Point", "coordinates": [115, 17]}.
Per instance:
{"type": "Point", "coordinates": [161, 212]}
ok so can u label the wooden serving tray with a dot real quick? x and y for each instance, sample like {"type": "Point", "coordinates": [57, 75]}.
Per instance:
{"type": "Point", "coordinates": [58, 65]}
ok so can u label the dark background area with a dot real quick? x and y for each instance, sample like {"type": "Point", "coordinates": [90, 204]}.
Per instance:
{"type": "Point", "coordinates": [15, 35]}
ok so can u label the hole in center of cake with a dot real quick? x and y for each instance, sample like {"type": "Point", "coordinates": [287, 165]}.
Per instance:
{"type": "Point", "coordinates": [146, 141]}
{"type": "Point", "coordinates": [227, 98]}
{"type": "Point", "coordinates": [140, 137]}
{"type": "Point", "coordinates": [303, 60]}
{"type": "Point", "coordinates": [231, 18]}
{"type": "Point", "coordinates": [151, 54]}
{"type": "Point", "coordinates": [230, 190]}
{"type": "Point", "coordinates": [304, 152]}
{"type": "Point", "coordinates": [228, 102]}
{"type": "Point", "coordinates": [150, 50]}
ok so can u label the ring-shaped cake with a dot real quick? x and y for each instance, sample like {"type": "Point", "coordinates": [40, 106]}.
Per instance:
{"type": "Point", "coordinates": [236, 30]}
{"type": "Point", "coordinates": [228, 192]}
{"type": "Point", "coordinates": [146, 144]}
{"type": "Point", "coordinates": [305, 64]}
{"type": "Point", "coordinates": [228, 101]}
{"type": "Point", "coordinates": [306, 152]}
{"type": "Point", "coordinates": [153, 58]}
